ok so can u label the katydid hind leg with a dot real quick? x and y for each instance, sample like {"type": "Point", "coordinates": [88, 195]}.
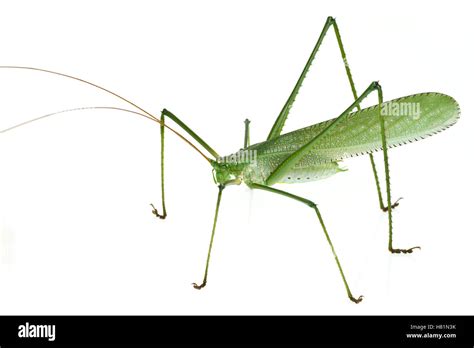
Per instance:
{"type": "Point", "coordinates": [285, 111]}
{"type": "Point", "coordinates": [383, 207]}
{"type": "Point", "coordinates": [204, 281]}
{"type": "Point", "coordinates": [312, 205]}
{"type": "Point", "coordinates": [279, 123]}
{"type": "Point", "coordinates": [350, 79]}
{"type": "Point", "coordinates": [387, 180]}
{"type": "Point", "coordinates": [294, 158]}
{"type": "Point", "coordinates": [354, 94]}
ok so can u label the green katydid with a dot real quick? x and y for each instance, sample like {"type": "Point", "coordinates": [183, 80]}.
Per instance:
{"type": "Point", "coordinates": [312, 153]}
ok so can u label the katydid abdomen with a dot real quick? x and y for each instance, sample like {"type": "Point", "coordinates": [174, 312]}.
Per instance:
{"type": "Point", "coordinates": [307, 170]}
{"type": "Point", "coordinates": [406, 119]}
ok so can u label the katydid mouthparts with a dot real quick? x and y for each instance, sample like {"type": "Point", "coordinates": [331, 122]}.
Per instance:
{"type": "Point", "coordinates": [311, 153]}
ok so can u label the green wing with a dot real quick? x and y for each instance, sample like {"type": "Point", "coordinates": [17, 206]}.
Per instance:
{"type": "Point", "coordinates": [407, 119]}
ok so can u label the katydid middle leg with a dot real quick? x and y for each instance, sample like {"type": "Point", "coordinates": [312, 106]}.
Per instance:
{"type": "Point", "coordinates": [312, 205]}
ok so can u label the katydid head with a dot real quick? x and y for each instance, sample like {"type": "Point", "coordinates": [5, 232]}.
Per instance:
{"type": "Point", "coordinates": [227, 173]}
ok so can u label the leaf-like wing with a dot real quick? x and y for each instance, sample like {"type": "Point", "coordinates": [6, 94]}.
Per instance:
{"type": "Point", "coordinates": [407, 119]}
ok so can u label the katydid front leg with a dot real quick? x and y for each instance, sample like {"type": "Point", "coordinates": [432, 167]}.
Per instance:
{"type": "Point", "coordinates": [204, 281]}
{"type": "Point", "coordinates": [166, 113]}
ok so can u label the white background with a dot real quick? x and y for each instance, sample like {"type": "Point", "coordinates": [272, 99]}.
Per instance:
{"type": "Point", "coordinates": [76, 232]}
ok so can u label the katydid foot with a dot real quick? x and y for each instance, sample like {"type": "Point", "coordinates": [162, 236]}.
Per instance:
{"type": "Point", "coordinates": [394, 205]}
{"type": "Point", "coordinates": [155, 212]}
{"type": "Point", "coordinates": [356, 300]}
{"type": "Point", "coordinates": [199, 287]}
{"type": "Point", "coordinates": [404, 251]}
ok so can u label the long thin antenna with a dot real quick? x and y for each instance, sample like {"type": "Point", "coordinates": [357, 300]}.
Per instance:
{"type": "Point", "coordinates": [151, 118]}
